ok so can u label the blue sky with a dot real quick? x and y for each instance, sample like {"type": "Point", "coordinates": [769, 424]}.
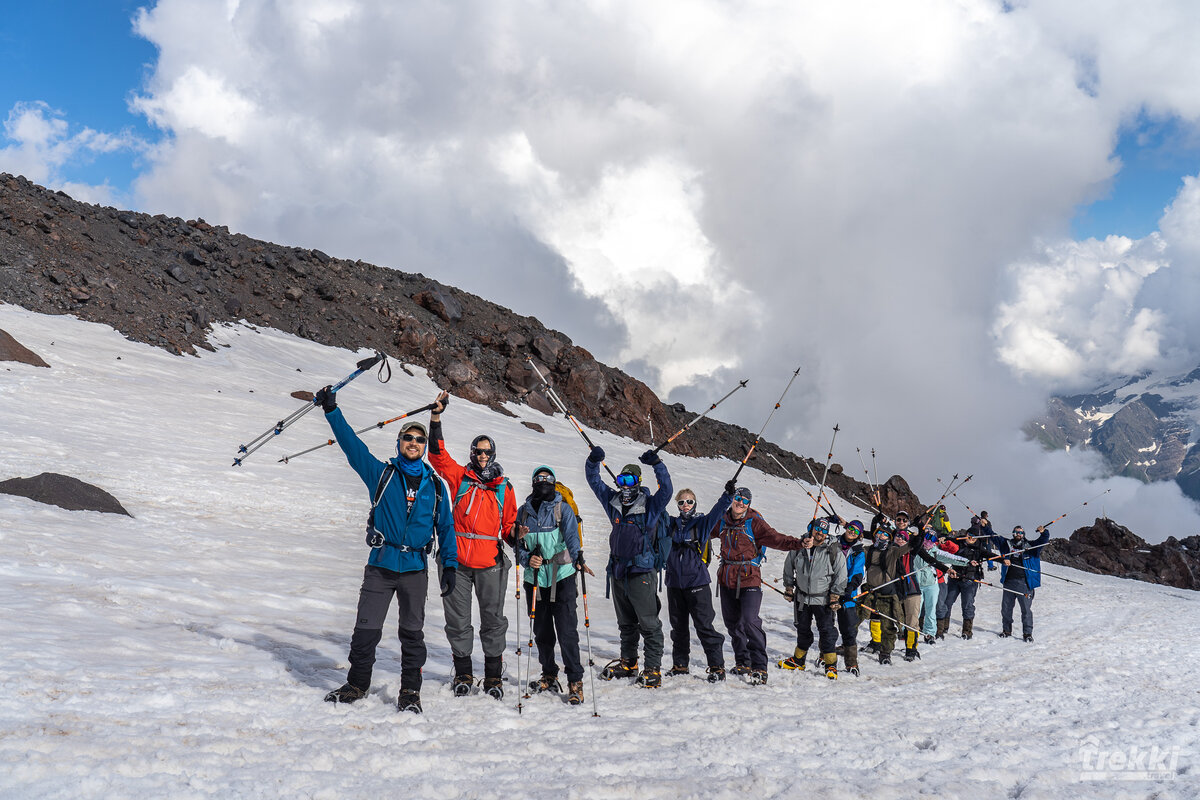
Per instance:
{"type": "Point", "coordinates": [83, 60]}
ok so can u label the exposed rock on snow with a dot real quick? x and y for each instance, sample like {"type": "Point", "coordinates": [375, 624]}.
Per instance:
{"type": "Point", "coordinates": [12, 350]}
{"type": "Point", "coordinates": [64, 491]}
{"type": "Point", "coordinates": [1111, 549]}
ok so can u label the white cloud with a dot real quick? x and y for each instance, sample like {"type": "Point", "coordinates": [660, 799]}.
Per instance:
{"type": "Point", "coordinates": [711, 188]}
{"type": "Point", "coordinates": [44, 148]}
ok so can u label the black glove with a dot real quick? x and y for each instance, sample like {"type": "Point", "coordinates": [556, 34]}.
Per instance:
{"type": "Point", "coordinates": [449, 578]}
{"type": "Point", "coordinates": [597, 455]}
{"type": "Point", "coordinates": [326, 399]}
{"type": "Point", "coordinates": [730, 487]}
{"type": "Point", "coordinates": [579, 561]}
{"type": "Point", "coordinates": [649, 458]}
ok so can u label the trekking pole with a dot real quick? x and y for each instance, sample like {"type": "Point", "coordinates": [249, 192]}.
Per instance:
{"type": "Point", "coordinates": [794, 478]}
{"type": "Point", "coordinates": [1001, 588]}
{"type": "Point", "coordinates": [823, 493]}
{"type": "Point", "coordinates": [825, 474]}
{"type": "Point", "coordinates": [1081, 505]}
{"type": "Point", "coordinates": [679, 432]}
{"type": "Point", "coordinates": [867, 475]}
{"type": "Point", "coordinates": [651, 423]}
{"type": "Point", "coordinates": [953, 478]}
{"type": "Point", "coordinates": [553, 395]}
{"type": "Point", "coordinates": [587, 628]}
{"type": "Point", "coordinates": [750, 452]}
{"type": "Point", "coordinates": [893, 619]}
{"type": "Point", "coordinates": [518, 615]}
{"type": "Point", "coordinates": [379, 424]}
{"type": "Point", "coordinates": [875, 467]}
{"type": "Point", "coordinates": [532, 622]}
{"type": "Point", "coordinates": [1059, 577]}
{"type": "Point", "coordinates": [279, 427]}
{"type": "Point", "coordinates": [776, 589]}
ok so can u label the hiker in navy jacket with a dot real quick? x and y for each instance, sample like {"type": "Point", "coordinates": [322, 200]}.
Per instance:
{"type": "Point", "coordinates": [632, 548]}
{"type": "Point", "coordinates": [688, 592]}
{"type": "Point", "coordinates": [410, 508]}
{"type": "Point", "coordinates": [1021, 571]}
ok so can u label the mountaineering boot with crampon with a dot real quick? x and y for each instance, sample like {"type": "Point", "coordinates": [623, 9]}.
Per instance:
{"type": "Point", "coordinates": [494, 687]}
{"type": "Point", "coordinates": [794, 661]}
{"type": "Point", "coordinates": [757, 677]}
{"type": "Point", "coordinates": [409, 700]}
{"type": "Point", "coordinates": [885, 658]}
{"type": "Point", "coordinates": [911, 654]}
{"type": "Point", "coordinates": [575, 692]}
{"type": "Point", "coordinates": [968, 628]}
{"type": "Point", "coordinates": [650, 679]}
{"type": "Point", "coordinates": [1005, 634]}
{"type": "Point", "coordinates": [679, 669]}
{"type": "Point", "coordinates": [851, 659]}
{"type": "Point", "coordinates": [619, 668]}
{"type": "Point", "coordinates": [345, 694]}
{"type": "Point", "coordinates": [740, 669]}
{"type": "Point", "coordinates": [1029, 637]}
{"type": "Point", "coordinates": [493, 682]}
{"type": "Point", "coordinates": [546, 683]}
{"type": "Point", "coordinates": [830, 661]}
{"type": "Point", "coordinates": [463, 681]}
{"type": "Point", "coordinates": [943, 625]}
{"type": "Point", "coordinates": [716, 674]}
{"type": "Point", "coordinates": [929, 639]}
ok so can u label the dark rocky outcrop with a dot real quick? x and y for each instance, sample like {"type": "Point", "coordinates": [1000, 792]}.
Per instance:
{"type": "Point", "coordinates": [12, 350]}
{"type": "Point", "coordinates": [1107, 548]}
{"type": "Point", "coordinates": [65, 492]}
{"type": "Point", "coordinates": [164, 280]}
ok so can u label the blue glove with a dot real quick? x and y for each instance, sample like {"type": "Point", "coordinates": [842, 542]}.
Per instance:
{"type": "Point", "coordinates": [649, 458]}
{"type": "Point", "coordinates": [597, 455]}
{"type": "Point", "coordinates": [449, 578]}
{"type": "Point", "coordinates": [326, 399]}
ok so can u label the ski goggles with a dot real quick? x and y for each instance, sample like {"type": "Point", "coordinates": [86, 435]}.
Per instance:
{"type": "Point", "coordinates": [627, 481]}
{"type": "Point", "coordinates": [408, 437]}
{"type": "Point", "coordinates": [543, 477]}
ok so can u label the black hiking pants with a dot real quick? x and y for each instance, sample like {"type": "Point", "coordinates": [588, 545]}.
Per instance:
{"type": "Point", "coordinates": [694, 604]}
{"type": "Point", "coordinates": [553, 622]}
{"type": "Point", "coordinates": [374, 600]}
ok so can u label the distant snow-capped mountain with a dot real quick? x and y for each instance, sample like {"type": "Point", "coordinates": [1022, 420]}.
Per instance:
{"type": "Point", "coordinates": [1145, 426]}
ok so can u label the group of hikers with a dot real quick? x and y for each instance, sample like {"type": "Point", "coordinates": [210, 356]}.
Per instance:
{"type": "Point", "coordinates": [901, 575]}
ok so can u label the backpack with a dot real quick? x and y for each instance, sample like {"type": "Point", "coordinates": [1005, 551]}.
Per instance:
{"type": "Point", "coordinates": [758, 559]}
{"type": "Point", "coordinates": [375, 538]}
{"type": "Point", "coordinates": [569, 497]}
{"type": "Point", "coordinates": [499, 491]}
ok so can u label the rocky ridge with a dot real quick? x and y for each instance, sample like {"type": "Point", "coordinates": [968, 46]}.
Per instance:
{"type": "Point", "coordinates": [164, 280]}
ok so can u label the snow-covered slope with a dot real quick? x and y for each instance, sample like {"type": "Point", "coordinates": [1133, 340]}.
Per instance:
{"type": "Point", "coordinates": [185, 652]}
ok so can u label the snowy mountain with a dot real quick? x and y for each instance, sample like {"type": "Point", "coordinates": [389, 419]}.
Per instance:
{"type": "Point", "coordinates": [1145, 427]}
{"type": "Point", "coordinates": [183, 652]}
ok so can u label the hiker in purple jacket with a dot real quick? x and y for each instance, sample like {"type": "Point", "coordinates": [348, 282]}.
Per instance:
{"type": "Point", "coordinates": [688, 592]}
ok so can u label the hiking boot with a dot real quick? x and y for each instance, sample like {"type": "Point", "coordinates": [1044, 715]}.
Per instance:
{"type": "Point", "coordinates": [546, 683]}
{"type": "Point", "coordinates": [679, 669]}
{"type": "Point", "coordinates": [757, 677]}
{"type": "Point", "coordinates": [494, 687]}
{"type": "Point", "coordinates": [409, 700]}
{"type": "Point", "coordinates": [911, 654]}
{"type": "Point", "coordinates": [716, 674]}
{"type": "Point", "coordinates": [853, 671]}
{"type": "Point", "coordinates": [1029, 637]}
{"type": "Point", "coordinates": [968, 628]}
{"type": "Point", "coordinates": [929, 639]}
{"type": "Point", "coordinates": [619, 668]}
{"type": "Point", "coordinates": [850, 658]}
{"type": "Point", "coordinates": [830, 662]}
{"type": "Point", "coordinates": [1005, 634]}
{"type": "Point", "coordinates": [873, 647]}
{"type": "Point", "coordinates": [575, 692]}
{"type": "Point", "coordinates": [462, 684]}
{"type": "Point", "coordinates": [650, 679]}
{"type": "Point", "coordinates": [943, 625]}
{"type": "Point", "coordinates": [740, 669]}
{"type": "Point", "coordinates": [885, 658]}
{"type": "Point", "coordinates": [793, 662]}
{"type": "Point", "coordinates": [345, 693]}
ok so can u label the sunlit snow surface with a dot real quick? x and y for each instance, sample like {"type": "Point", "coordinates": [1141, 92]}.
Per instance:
{"type": "Point", "coordinates": [185, 652]}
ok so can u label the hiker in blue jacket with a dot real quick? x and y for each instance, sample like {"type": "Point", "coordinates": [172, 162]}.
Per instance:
{"type": "Point", "coordinates": [409, 508]}
{"type": "Point", "coordinates": [1020, 571]}
{"type": "Point", "coordinates": [632, 546]}
{"type": "Point", "coordinates": [688, 580]}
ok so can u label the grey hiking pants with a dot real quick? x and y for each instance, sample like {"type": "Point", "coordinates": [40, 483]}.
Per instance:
{"type": "Point", "coordinates": [489, 585]}
{"type": "Point", "coordinates": [635, 599]}
{"type": "Point", "coordinates": [374, 600]}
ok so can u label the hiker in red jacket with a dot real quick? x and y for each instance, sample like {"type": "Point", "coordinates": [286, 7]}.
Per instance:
{"type": "Point", "coordinates": [744, 535]}
{"type": "Point", "coordinates": [485, 509]}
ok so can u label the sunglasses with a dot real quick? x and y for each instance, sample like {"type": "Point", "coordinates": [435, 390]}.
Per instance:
{"type": "Point", "coordinates": [408, 437]}
{"type": "Point", "coordinates": [482, 451]}
{"type": "Point", "coordinates": [628, 481]}
{"type": "Point", "coordinates": [686, 502]}
{"type": "Point", "coordinates": [542, 477]}
{"type": "Point", "coordinates": [737, 498]}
